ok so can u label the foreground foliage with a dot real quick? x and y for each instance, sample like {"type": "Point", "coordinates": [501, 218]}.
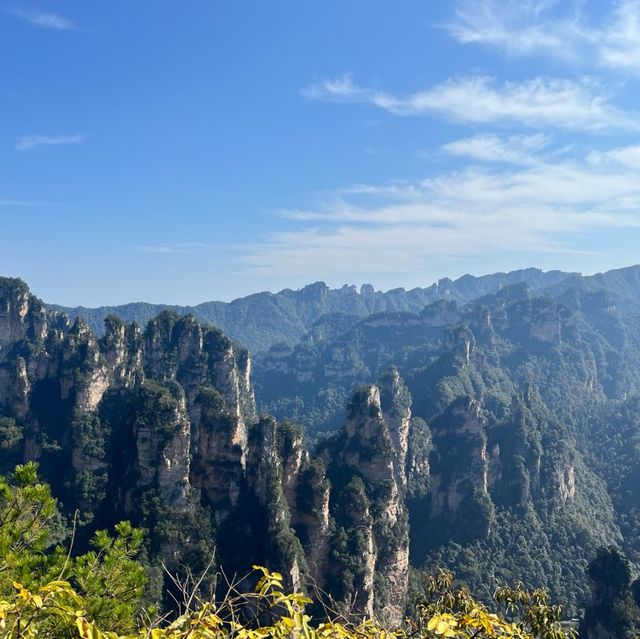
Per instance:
{"type": "Point", "coordinates": [55, 610]}
{"type": "Point", "coordinates": [46, 592]}
{"type": "Point", "coordinates": [41, 580]}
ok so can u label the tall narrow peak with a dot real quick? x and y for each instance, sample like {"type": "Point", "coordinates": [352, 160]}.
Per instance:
{"type": "Point", "coordinates": [368, 501]}
{"type": "Point", "coordinates": [22, 315]}
{"type": "Point", "coordinates": [395, 402]}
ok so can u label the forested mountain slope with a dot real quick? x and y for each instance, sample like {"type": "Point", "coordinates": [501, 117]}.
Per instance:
{"type": "Point", "coordinates": [516, 330]}
{"type": "Point", "coordinates": [498, 437]}
{"type": "Point", "coordinates": [531, 405]}
{"type": "Point", "coordinates": [159, 426]}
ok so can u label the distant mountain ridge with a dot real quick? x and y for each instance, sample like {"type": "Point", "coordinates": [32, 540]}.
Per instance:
{"type": "Point", "coordinates": [499, 438]}
{"type": "Point", "coordinates": [260, 320]}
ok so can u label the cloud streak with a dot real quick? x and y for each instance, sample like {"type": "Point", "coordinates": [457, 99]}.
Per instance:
{"type": "Point", "coordinates": [28, 142]}
{"type": "Point", "coordinates": [522, 28]}
{"type": "Point", "coordinates": [538, 103]}
{"type": "Point", "coordinates": [45, 19]}
{"type": "Point", "coordinates": [466, 214]}
{"type": "Point", "coordinates": [516, 149]}
{"type": "Point", "coordinates": [539, 27]}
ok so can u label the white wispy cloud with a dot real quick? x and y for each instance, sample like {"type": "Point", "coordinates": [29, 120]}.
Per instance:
{"type": "Point", "coordinates": [470, 213]}
{"type": "Point", "coordinates": [522, 28]}
{"type": "Point", "coordinates": [628, 157]}
{"type": "Point", "coordinates": [515, 149]}
{"type": "Point", "coordinates": [27, 142]}
{"type": "Point", "coordinates": [45, 19]}
{"type": "Point", "coordinates": [539, 103]}
{"type": "Point", "coordinates": [620, 40]}
{"type": "Point", "coordinates": [561, 30]}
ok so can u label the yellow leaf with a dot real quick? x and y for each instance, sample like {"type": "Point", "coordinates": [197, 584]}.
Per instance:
{"type": "Point", "coordinates": [83, 627]}
{"type": "Point", "coordinates": [442, 627]}
{"type": "Point", "coordinates": [55, 586]}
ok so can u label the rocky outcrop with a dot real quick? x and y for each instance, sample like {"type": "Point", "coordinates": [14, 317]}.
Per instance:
{"type": "Point", "coordinates": [162, 445]}
{"type": "Point", "coordinates": [220, 450]}
{"type": "Point", "coordinates": [145, 423]}
{"type": "Point", "coordinates": [122, 348]}
{"type": "Point", "coordinates": [460, 465]}
{"type": "Point", "coordinates": [459, 341]}
{"type": "Point", "coordinates": [441, 313]}
{"type": "Point", "coordinates": [311, 518]}
{"type": "Point", "coordinates": [566, 479]}
{"type": "Point", "coordinates": [368, 447]}
{"type": "Point", "coordinates": [261, 320]}
{"type": "Point", "coordinates": [160, 424]}
{"type": "Point", "coordinates": [395, 402]}
{"type": "Point", "coordinates": [373, 450]}
{"type": "Point", "coordinates": [22, 316]}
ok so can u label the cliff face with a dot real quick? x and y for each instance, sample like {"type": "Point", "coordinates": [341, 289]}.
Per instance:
{"type": "Point", "coordinates": [577, 339]}
{"type": "Point", "coordinates": [142, 424]}
{"type": "Point", "coordinates": [370, 466]}
{"type": "Point", "coordinates": [497, 445]}
{"type": "Point", "coordinates": [159, 425]}
{"type": "Point", "coordinates": [459, 466]}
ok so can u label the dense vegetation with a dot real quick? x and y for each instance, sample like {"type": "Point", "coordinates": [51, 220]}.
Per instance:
{"type": "Point", "coordinates": [46, 591]}
{"type": "Point", "coordinates": [498, 438]}
{"type": "Point", "coordinates": [37, 570]}
{"type": "Point", "coordinates": [554, 383]}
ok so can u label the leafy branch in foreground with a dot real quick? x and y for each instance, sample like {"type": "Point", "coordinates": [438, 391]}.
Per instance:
{"type": "Point", "coordinates": [108, 582]}
{"type": "Point", "coordinates": [270, 612]}
{"type": "Point", "coordinates": [445, 611]}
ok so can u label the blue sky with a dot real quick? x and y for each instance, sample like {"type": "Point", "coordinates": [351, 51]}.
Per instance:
{"type": "Point", "coordinates": [182, 152]}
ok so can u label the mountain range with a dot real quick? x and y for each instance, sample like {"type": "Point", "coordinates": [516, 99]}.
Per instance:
{"type": "Point", "coordinates": [490, 425]}
{"type": "Point", "coordinates": [261, 320]}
